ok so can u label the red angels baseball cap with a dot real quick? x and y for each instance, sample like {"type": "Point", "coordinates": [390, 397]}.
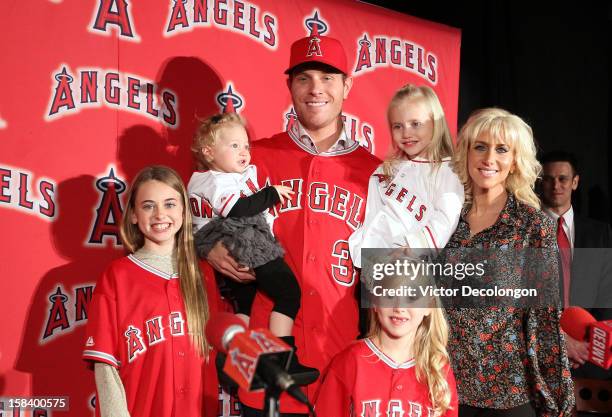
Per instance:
{"type": "Point", "coordinates": [317, 48]}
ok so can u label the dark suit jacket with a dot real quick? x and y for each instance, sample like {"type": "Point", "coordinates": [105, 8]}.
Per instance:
{"type": "Point", "coordinates": [591, 279]}
{"type": "Point", "coordinates": [591, 282]}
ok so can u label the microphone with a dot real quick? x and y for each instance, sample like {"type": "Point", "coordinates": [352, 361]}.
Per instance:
{"type": "Point", "coordinates": [579, 324]}
{"type": "Point", "coordinates": [255, 358]}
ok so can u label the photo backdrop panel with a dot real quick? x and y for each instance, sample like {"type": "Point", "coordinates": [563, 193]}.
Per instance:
{"type": "Point", "coordinates": [97, 89]}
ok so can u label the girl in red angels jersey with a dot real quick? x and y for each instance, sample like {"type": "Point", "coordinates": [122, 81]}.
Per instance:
{"type": "Point", "coordinates": [401, 368]}
{"type": "Point", "coordinates": [145, 330]}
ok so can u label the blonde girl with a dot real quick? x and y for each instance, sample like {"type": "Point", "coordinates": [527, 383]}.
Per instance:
{"type": "Point", "coordinates": [238, 217]}
{"type": "Point", "coordinates": [414, 198]}
{"type": "Point", "coordinates": [400, 368]}
{"type": "Point", "coordinates": [145, 332]}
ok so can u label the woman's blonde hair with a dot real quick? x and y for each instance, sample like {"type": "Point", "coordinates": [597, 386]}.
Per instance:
{"type": "Point", "coordinates": [207, 132]}
{"type": "Point", "coordinates": [441, 145]}
{"type": "Point", "coordinates": [192, 287]}
{"type": "Point", "coordinates": [505, 127]}
{"type": "Point", "coordinates": [429, 348]}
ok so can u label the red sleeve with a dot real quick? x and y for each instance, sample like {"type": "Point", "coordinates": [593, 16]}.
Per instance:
{"type": "Point", "coordinates": [210, 381]}
{"type": "Point", "coordinates": [454, 403]}
{"type": "Point", "coordinates": [210, 285]}
{"type": "Point", "coordinates": [101, 333]}
{"type": "Point", "coordinates": [333, 399]}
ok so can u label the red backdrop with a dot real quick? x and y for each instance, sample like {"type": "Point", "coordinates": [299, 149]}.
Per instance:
{"type": "Point", "coordinates": [96, 89]}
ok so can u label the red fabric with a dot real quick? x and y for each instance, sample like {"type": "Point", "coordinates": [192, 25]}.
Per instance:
{"type": "Point", "coordinates": [565, 251]}
{"type": "Point", "coordinates": [161, 372]}
{"type": "Point", "coordinates": [317, 48]}
{"type": "Point", "coordinates": [313, 227]}
{"type": "Point", "coordinates": [363, 381]}
{"type": "Point", "coordinates": [77, 124]}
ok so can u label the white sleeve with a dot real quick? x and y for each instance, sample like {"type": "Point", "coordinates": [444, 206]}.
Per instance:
{"type": "Point", "coordinates": [446, 203]}
{"type": "Point", "coordinates": [362, 237]}
{"type": "Point", "coordinates": [111, 394]}
{"type": "Point", "coordinates": [219, 190]}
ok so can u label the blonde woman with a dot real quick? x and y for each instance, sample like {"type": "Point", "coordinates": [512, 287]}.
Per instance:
{"type": "Point", "coordinates": [508, 361]}
{"type": "Point", "coordinates": [145, 333]}
{"type": "Point", "coordinates": [400, 368]}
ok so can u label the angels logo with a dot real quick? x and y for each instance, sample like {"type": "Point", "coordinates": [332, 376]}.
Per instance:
{"type": "Point", "coordinates": [96, 87]}
{"type": "Point", "coordinates": [109, 211]}
{"type": "Point", "coordinates": [361, 132]}
{"type": "Point", "coordinates": [113, 14]}
{"type": "Point", "coordinates": [244, 363]}
{"type": "Point", "coordinates": [66, 310]}
{"type": "Point", "coordinates": [314, 47]}
{"type": "Point", "coordinates": [291, 117]}
{"type": "Point", "coordinates": [315, 24]}
{"type": "Point", "coordinates": [16, 192]}
{"type": "Point", "coordinates": [395, 408]}
{"type": "Point", "coordinates": [235, 16]}
{"type": "Point", "coordinates": [229, 100]}
{"type": "Point", "coordinates": [135, 344]}
{"type": "Point", "coordinates": [384, 51]}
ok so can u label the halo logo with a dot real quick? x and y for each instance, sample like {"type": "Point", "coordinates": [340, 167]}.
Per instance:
{"type": "Point", "coordinates": [109, 211]}
{"type": "Point", "coordinates": [317, 22]}
{"type": "Point", "coordinates": [229, 100]}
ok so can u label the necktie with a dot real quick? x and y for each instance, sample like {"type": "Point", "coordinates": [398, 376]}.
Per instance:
{"type": "Point", "coordinates": [565, 252]}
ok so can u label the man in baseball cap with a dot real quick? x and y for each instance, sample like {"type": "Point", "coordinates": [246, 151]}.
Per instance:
{"type": "Point", "coordinates": [316, 48]}
{"type": "Point", "coordinates": [329, 173]}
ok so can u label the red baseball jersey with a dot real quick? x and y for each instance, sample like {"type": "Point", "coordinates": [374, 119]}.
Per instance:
{"type": "Point", "coordinates": [362, 381]}
{"type": "Point", "coordinates": [314, 227]}
{"type": "Point", "coordinates": [137, 324]}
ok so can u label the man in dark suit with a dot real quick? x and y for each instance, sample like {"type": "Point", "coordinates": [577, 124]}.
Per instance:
{"type": "Point", "coordinates": [590, 280]}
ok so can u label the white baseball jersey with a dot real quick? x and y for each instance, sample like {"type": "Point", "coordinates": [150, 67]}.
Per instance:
{"type": "Point", "coordinates": [419, 207]}
{"type": "Point", "coordinates": [364, 382]}
{"type": "Point", "coordinates": [313, 227]}
{"type": "Point", "coordinates": [213, 194]}
{"type": "Point", "coordinates": [137, 324]}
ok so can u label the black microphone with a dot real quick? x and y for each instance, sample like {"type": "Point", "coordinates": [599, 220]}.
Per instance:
{"type": "Point", "coordinates": [254, 357]}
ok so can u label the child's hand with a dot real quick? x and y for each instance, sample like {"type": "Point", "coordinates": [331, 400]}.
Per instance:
{"type": "Point", "coordinates": [284, 192]}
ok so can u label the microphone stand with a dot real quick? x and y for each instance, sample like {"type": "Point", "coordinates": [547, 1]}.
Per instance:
{"type": "Point", "coordinates": [271, 402]}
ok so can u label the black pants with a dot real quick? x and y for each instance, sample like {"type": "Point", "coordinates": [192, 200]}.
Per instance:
{"type": "Point", "coordinates": [276, 280]}
{"type": "Point", "coordinates": [252, 412]}
{"type": "Point", "coordinates": [525, 410]}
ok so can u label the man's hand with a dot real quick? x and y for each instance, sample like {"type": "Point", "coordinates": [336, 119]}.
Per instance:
{"type": "Point", "coordinates": [284, 192]}
{"type": "Point", "coordinates": [577, 351]}
{"type": "Point", "coordinates": [220, 259]}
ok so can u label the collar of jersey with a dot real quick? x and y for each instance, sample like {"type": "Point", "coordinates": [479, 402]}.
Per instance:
{"type": "Point", "coordinates": [421, 160]}
{"type": "Point", "coordinates": [297, 131]}
{"type": "Point", "coordinates": [214, 173]}
{"type": "Point", "coordinates": [386, 359]}
{"type": "Point", "coordinates": [150, 269]}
